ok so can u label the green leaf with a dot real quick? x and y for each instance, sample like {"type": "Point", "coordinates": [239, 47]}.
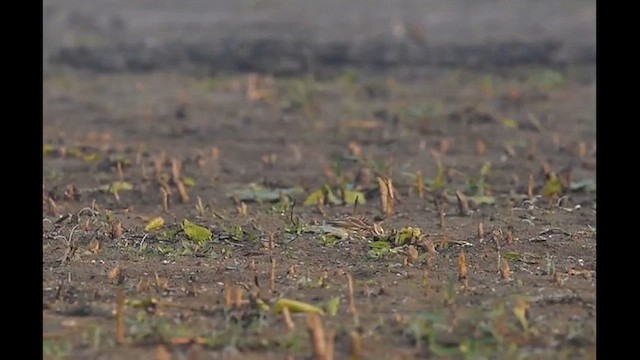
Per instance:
{"type": "Point", "coordinates": [91, 158]}
{"type": "Point", "coordinates": [196, 232]}
{"type": "Point", "coordinates": [154, 224]}
{"type": "Point", "coordinates": [329, 240]}
{"type": "Point", "coordinates": [406, 235]}
{"type": "Point", "coordinates": [512, 256]}
{"type": "Point", "coordinates": [74, 152]}
{"type": "Point", "coordinates": [350, 197]}
{"type": "Point", "coordinates": [478, 187]}
{"type": "Point", "coordinates": [553, 187]}
{"type": "Point", "coordinates": [295, 306]}
{"type": "Point", "coordinates": [378, 249]}
{"type": "Point", "coordinates": [509, 123]}
{"type": "Point", "coordinates": [440, 181]}
{"type": "Point", "coordinates": [331, 198]}
{"type": "Point", "coordinates": [48, 149]}
{"type": "Point", "coordinates": [333, 305]}
{"type": "Point", "coordinates": [314, 198]}
{"type": "Point", "coordinates": [117, 186]}
{"type": "Point", "coordinates": [486, 168]}
{"type": "Point", "coordinates": [169, 234]}
{"type": "Point", "coordinates": [326, 195]}
{"type": "Point", "coordinates": [189, 181]}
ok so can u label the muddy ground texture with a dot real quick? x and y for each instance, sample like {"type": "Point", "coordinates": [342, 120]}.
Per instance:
{"type": "Point", "coordinates": [188, 200]}
{"type": "Point", "coordinates": [512, 276]}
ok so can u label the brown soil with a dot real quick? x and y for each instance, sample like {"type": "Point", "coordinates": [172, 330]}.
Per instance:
{"type": "Point", "coordinates": [288, 132]}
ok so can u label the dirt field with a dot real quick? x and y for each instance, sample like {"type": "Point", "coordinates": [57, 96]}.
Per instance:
{"type": "Point", "coordinates": [423, 211]}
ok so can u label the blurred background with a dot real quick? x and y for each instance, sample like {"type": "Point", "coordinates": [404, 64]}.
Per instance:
{"type": "Point", "coordinates": [291, 37]}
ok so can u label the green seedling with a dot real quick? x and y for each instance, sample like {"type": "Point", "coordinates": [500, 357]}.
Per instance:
{"type": "Point", "coordinates": [333, 305]}
{"type": "Point", "coordinates": [113, 188]}
{"type": "Point", "coordinates": [155, 224]}
{"type": "Point", "coordinates": [91, 158]}
{"type": "Point", "coordinates": [326, 195]}
{"type": "Point", "coordinates": [477, 190]}
{"type": "Point", "coordinates": [48, 149]}
{"type": "Point", "coordinates": [189, 181]}
{"type": "Point", "coordinates": [234, 232]}
{"type": "Point", "coordinates": [168, 234]}
{"type": "Point", "coordinates": [478, 186]}
{"type": "Point", "coordinates": [553, 186]}
{"type": "Point", "coordinates": [329, 240]}
{"type": "Point", "coordinates": [407, 236]}
{"type": "Point", "coordinates": [379, 249]}
{"type": "Point", "coordinates": [195, 232]}
{"type": "Point", "coordinates": [437, 184]}
{"type": "Point", "coordinates": [509, 123]}
{"type": "Point", "coordinates": [440, 182]}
